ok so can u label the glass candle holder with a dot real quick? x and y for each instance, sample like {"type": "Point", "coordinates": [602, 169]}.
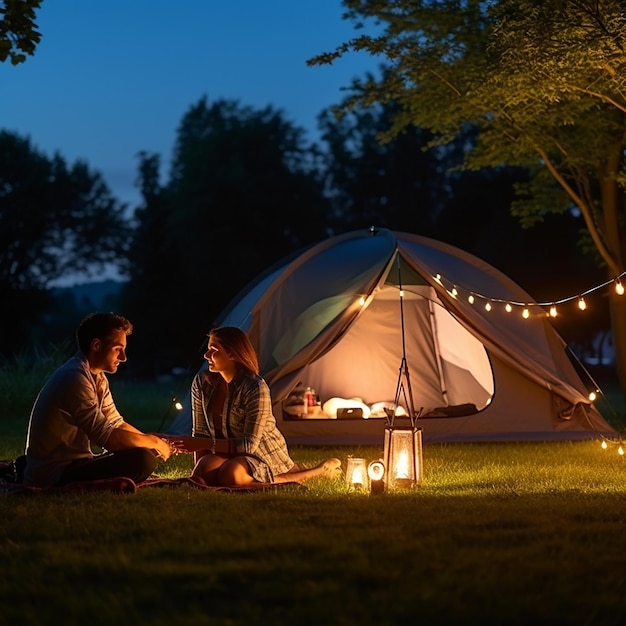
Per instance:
{"type": "Point", "coordinates": [356, 474]}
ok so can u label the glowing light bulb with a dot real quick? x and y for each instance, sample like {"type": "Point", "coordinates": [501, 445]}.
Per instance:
{"type": "Point", "coordinates": [376, 470]}
{"type": "Point", "coordinates": [525, 314]}
{"type": "Point", "coordinates": [592, 396]}
{"type": "Point", "coordinates": [619, 288]}
{"type": "Point", "coordinates": [620, 451]}
{"type": "Point", "coordinates": [508, 308]}
{"type": "Point", "coordinates": [553, 312]}
{"type": "Point", "coordinates": [438, 278]}
{"type": "Point", "coordinates": [582, 305]}
{"type": "Point", "coordinates": [454, 292]}
{"type": "Point", "coordinates": [402, 293]}
{"type": "Point", "coordinates": [603, 445]}
{"type": "Point", "coordinates": [488, 306]}
{"type": "Point", "coordinates": [361, 300]}
{"type": "Point", "coordinates": [470, 299]}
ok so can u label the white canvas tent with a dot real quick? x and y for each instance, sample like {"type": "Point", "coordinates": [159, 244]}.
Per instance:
{"type": "Point", "coordinates": [331, 318]}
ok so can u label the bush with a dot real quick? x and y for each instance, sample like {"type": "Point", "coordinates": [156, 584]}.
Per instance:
{"type": "Point", "coordinates": [22, 376]}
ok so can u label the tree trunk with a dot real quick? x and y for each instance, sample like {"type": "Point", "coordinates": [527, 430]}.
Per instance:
{"type": "Point", "coordinates": [618, 326]}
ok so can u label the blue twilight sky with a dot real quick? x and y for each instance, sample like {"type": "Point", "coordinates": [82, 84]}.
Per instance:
{"type": "Point", "coordinates": [113, 77]}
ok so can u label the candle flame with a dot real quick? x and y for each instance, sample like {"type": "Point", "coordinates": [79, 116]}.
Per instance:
{"type": "Point", "coordinates": [402, 465]}
{"type": "Point", "coordinates": [357, 476]}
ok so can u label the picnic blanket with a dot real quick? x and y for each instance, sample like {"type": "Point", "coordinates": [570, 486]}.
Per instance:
{"type": "Point", "coordinates": [121, 484]}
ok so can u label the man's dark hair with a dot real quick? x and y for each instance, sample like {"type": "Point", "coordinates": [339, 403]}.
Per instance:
{"type": "Point", "coordinates": [100, 326]}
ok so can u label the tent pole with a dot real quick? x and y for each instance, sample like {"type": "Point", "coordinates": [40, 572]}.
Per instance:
{"type": "Point", "coordinates": [403, 376]}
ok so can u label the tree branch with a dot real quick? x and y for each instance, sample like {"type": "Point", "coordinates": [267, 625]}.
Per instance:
{"type": "Point", "coordinates": [585, 210]}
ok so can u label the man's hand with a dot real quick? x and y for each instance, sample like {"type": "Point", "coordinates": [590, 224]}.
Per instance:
{"type": "Point", "coordinates": [165, 449]}
{"type": "Point", "coordinates": [124, 438]}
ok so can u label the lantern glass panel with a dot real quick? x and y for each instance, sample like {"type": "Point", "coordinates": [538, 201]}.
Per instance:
{"type": "Point", "coordinates": [403, 456]}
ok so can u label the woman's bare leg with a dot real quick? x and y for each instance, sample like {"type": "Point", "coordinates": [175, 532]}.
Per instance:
{"type": "Point", "coordinates": [328, 469]}
{"type": "Point", "coordinates": [235, 472]}
{"type": "Point", "coordinates": [208, 467]}
{"type": "Point", "coordinates": [218, 470]}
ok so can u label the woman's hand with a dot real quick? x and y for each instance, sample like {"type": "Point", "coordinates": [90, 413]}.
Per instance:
{"type": "Point", "coordinates": [178, 446]}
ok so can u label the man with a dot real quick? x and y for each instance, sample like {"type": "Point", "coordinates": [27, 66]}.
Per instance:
{"type": "Point", "coordinates": [75, 409]}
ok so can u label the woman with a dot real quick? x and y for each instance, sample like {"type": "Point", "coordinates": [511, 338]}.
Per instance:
{"type": "Point", "coordinates": [235, 439]}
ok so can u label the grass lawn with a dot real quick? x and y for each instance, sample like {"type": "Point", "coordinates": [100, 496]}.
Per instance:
{"type": "Point", "coordinates": [507, 533]}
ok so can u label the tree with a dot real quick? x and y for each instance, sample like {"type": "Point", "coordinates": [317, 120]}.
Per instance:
{"type": "Point", "coordinates": [543, 83]}
{"type": "Point", "coordinates": [18, 31]}
{"type": "Point", "coordinates": [55, 220]}
{"type": "Point", "coordinates": [386, 185]}
{"type": "Point", "coordinates": [151, 296]}
{"type": "Point", "coordinates": [243, 191]}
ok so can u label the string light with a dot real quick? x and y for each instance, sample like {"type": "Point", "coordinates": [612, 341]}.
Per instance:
{"type": "Point", "coordinates": [526, 307]}
{"type": "Point", "coordinates": [593, 395]}
{"type": "Point", "coordinates": [620, 446]}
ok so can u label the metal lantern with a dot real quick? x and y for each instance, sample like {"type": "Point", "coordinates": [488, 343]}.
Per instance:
{"type": "Point", "coordinates": [356, 474]}
{"type": "Point", "coordinates": [403, 457]}
{"type": "Point", "coordinates": [403, 443]}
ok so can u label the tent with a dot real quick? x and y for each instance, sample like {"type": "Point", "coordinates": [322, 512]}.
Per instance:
{"type": "Point", "coordinates": [376, 319]}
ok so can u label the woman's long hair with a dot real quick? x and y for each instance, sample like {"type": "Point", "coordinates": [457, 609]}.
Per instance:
{"type": "Point", "coordinates": [238, 347]}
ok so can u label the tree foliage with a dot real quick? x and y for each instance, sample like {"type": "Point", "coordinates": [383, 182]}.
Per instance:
{"type": "Point", "coordinates": [244, 190]}
{"type": "Point", "coordinates": [543, 83]}
{"type": "Point", "coordinates": [55, 220]}
{"type": "Point", "coordinates": [18, 30]}
{"type": "Point", "coordinates": [396, 185]}
{"type": "Point", "coordinates": [249, 168]}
